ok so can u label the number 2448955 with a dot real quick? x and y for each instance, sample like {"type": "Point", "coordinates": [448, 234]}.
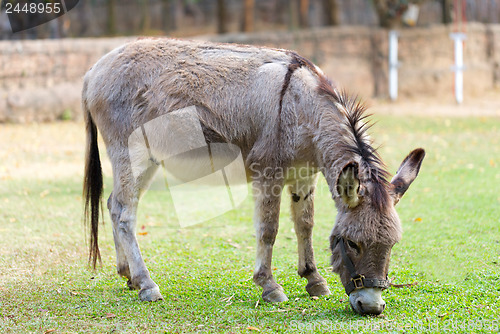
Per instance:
{"type": "Point", "coordinates": [33, 8]}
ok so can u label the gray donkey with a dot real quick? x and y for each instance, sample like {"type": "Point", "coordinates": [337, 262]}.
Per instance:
{"type": "Point", "coordinates": [282, 112]}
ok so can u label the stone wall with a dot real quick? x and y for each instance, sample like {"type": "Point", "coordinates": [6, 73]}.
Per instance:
{"type": "Point", "coordinates": [41, 80]}
{"type": "Point", "coordinates": [357, 58]}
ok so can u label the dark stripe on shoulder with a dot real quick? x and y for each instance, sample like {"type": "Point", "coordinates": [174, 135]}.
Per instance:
{"type": "Point", "coordinates": [296, 63]}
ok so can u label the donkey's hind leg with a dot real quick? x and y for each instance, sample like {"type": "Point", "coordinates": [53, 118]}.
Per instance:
{"type": "Point", "coordinates": [123, 209]}
{"type": "Point", "coordinates": [267, 198]}
{"type": "Point", "coordinates": [302, 209]}
{"type": "Point", "coordinates": [121, 260]}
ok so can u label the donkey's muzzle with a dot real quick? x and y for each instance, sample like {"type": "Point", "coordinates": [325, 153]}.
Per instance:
{"type": "Point", "coordinates": [367, 301]}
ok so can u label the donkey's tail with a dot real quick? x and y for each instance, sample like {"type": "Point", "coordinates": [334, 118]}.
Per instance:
{"type": "Point", "coordinates": [92, 185]}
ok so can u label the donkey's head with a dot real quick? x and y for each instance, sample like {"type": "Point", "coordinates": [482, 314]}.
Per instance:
{"type": "Point", "coordinates": [366, 229]}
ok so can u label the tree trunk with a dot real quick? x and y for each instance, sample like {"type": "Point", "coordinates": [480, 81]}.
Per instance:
{"type": "Point", "coordinates": [178, 14]}
{"type": "Point", "coordinates": [293, 19]}
{"type": "Point", "coordinates": [165, 15]}
{"type": "Point", "coordinates": [83, 18]}
{"type": "Point", "coordinates": [279, 9]}
{"type": "Point", "coordinates": [304, 13]}
{"type": "Point", "coordinates": [331, 10]}
{"type": "Point", "coordinates": [248, 15]}
{"type": "Point", "coordinates": [145, 17]}
{"type": "Point", "coordinates": [221, 17]}
{"type": "Point", "coordinates": [446, 10]}
{"type": "Point", "coordinates": [111, 6]}
{"type": "Point", "coordinates": [389, 12]}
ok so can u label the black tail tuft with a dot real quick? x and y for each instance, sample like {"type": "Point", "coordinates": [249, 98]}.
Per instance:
{"type": "Point", "coordinates": [92, 190]}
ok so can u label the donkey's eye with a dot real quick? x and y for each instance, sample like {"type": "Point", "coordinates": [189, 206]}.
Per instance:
{"type": "Point", "coordinates": [353, 245]}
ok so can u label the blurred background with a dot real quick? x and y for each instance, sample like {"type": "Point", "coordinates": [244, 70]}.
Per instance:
{"type": "Point", "coordinates": [41, 68]}
{"type": "Point", "coordinates": [97, 18]}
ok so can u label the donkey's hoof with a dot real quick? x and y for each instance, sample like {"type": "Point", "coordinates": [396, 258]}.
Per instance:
{"type": "Point", "coordinates": [275, 296]}
{"type": "Point", "coordinates": [150, 295]}
{"type": "Point", "coordinates": [318, 289]}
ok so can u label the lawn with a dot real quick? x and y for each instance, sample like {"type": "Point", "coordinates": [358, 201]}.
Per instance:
{"type": "Point", "coordinates": [450, 247]}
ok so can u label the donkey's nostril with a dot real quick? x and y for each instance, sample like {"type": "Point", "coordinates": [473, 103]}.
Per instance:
{"type": "Point", "coordinates": [377, 310]}
{"type": "Point", "coordinates": [360, 306]}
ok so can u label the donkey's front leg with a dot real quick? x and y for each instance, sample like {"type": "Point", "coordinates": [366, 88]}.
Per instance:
{"type": "Point", "coordinates": [267, 196]}
{"type": "Point", "coordinates": [302, 208]}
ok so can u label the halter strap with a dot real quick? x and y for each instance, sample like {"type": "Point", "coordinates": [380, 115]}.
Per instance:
{"type": "Point", "coordinates": [347, 261]}
{"type": "Point", "coordinates": [358, 281]}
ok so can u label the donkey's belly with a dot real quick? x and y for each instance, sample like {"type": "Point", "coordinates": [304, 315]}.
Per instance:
{"type": "Point", "coordinates": [203, 164]}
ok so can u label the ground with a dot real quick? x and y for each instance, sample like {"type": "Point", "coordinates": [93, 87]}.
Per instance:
{"type": "Point", "coordinates": [450, 247]}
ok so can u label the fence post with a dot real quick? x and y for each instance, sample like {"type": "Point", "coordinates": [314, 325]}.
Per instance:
{"type": "Point", "coordinates": [393, 64]}
{"type": "Point", "coordinates": [458, 39]}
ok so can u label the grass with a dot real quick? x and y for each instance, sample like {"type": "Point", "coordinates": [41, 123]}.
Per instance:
{"type": "Point", "coordinates": [450, 246]}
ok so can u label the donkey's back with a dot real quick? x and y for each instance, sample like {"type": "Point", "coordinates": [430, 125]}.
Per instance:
{"type": "Point", "coordinates": [150, 77]}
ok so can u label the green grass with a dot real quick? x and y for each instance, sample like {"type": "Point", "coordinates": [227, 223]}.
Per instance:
{"type": "Point", "coordinates": [450, 247]}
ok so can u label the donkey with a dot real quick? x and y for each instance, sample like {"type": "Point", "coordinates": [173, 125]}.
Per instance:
{"type": "Point", "coordinates": [282, 113]}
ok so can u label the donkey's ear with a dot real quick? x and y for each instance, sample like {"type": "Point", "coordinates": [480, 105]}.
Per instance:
{"type": "Point", "coordinates": [348, 185]}
{"type": "Point", "coordinates": [407, 172]}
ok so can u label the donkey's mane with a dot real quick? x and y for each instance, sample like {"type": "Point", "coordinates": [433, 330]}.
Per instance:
{"type": "Point", "coordinates": [357, 122]}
